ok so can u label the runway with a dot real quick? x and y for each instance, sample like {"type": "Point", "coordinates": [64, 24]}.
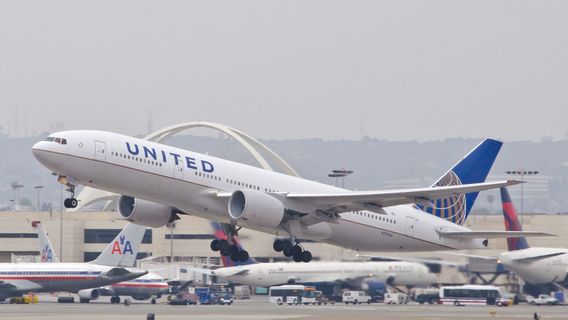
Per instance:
{"type": "Point", "coordinates": [259, 308]}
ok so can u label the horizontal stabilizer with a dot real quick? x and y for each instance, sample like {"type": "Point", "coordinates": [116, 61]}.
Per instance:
{"type": "Point", "coordinates": [19, 285]}
{"type": "Point", "coordinates": [539, 257]}
{"type": "Point", "coordinates": [201, 270]}
{"type": "Point", "coordinates": [492, 234]}
{"type": "Point", "coordinates": [410, 259]}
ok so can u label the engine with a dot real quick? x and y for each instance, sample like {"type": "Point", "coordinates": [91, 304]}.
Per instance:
{"type": "Point", "coordinates": [89, 294]}
{"type": "Point", "coordinates": [145, 213]}
{"type": "Point", "coordinates": [256, 208]}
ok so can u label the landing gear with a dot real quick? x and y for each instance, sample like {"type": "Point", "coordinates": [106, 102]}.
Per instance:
{"type": "Point", "coordinates": [115, 299]}
{"type": "Point", "coordinates": [229, 249]}
{"type": "Point", "coordinates": [70, 183]}
{"type": "Point", "coordinates": [295, 251]}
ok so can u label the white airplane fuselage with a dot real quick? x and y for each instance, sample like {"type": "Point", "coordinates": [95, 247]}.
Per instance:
{"type": "Point", "coordinates": [270, 274]}
{"type": "Point", "coordinates": [49, 277]}
{"type": "Point", "coordinates": [537, 270]}
{"type": "Point", "coordinates": [190, 182]}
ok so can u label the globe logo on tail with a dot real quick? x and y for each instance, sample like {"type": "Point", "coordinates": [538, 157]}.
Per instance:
{"type": "Point", "coordinates": [452, 207]}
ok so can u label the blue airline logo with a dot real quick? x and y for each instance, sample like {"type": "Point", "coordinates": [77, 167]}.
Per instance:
{"type": "Point", "coordinates": [162, 156]}
{"type": "Point", "coordinates": [46, 254]}
{"type": "Point", "coordinates": [122, 246]}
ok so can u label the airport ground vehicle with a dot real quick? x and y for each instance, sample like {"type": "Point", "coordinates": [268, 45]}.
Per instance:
{"type": "Point", "coordinates": [225, 298]}
{"type": "Point", "coordinates": [356, 297]}
{"type": "Point", "coordinates": [542, 299]}
{"type": "Point", "coordinates": [292, 294]}
{"type": "Point", "coordinates": [472, 295]}
{"type": "Point", "coordinates": [396, 298]}
{"type": "Point", "coordinates": [429, 296]}
{"type": "Point", "coordinates": [182, 299]}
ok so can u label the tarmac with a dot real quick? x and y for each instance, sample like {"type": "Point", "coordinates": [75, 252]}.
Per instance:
{"type": "Point", "coordinates": [259, 308]}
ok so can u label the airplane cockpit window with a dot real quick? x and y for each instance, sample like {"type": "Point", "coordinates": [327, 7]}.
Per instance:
{"type": "Point", "coordinates": [56, 140]}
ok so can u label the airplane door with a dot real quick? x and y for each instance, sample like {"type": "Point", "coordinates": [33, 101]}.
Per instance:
{"type": "Point", "coordinates": [100, 150]}
{"type": "Point", "coordinates": [410, 225]}
{"type": "Point", "coordinates": [178, 170]}
{"type": "Point", "coordinates": [260, 274]}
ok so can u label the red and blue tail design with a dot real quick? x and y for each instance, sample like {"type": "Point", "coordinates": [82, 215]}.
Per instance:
{"type": "Point", "coordinates": [512, 222]}
{"type": "Point", "coordinates": [221, 233]}
{"type": "Point", "coordinates": [473, 168]}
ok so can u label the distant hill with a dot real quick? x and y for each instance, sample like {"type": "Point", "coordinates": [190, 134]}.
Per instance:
{"type": "Point", "coordinates": [377, 164]}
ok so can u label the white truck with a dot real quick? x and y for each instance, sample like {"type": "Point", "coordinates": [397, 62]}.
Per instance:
{"type": "Point", "coordinates": [396, 298]}
{"type": "Point", "coordinates": [356, 297]}
{"type": "Point", "coordinates": [542, 299]}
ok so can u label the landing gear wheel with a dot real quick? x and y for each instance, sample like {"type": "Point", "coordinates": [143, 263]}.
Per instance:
{"type": "Point", "coordinates": [153, 301]}
{"type": "Point", "coordinates": [296, 250]}
{"type": "Point", "coordinates": [235, 256]}
{"type": "Point", "coordinates": [306, 256]}
{"type": "Point", "coordinates": [224, 245]}
{"type": "Point", "coordinates": [70, 203]}
{"type": "Point", "coordinates": [244, 256]}
{"type": "Point", "coordinates": [215, 245]}
{"type": "Point", "coordinates": [278, 245]}
{"type": "Point", "coordinates": [287, 252]}
{"type": "Point", "coordinates": [297, 257]}
{"type": "Point", "coordinates": [234, 250]}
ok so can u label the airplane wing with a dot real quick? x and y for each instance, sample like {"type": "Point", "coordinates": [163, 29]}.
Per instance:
{"type": "Point", "coordinates": [410, 259]}
{"type": "Point", "coordinates": [369, 200]}
{"type": "Point", "coordinates": [19, 285]}
{"type": "Point", "coordinates": [491, 234]}
{"type": "Point", "coordinates": [226, 271]}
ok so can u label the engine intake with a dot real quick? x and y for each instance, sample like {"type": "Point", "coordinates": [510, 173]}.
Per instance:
{"type": "Point", "coordinates": [144, 213]}
{"type": "Point", "coordinates": [256, 208]}
{"type": "Point", "coordinates": [89, 294]}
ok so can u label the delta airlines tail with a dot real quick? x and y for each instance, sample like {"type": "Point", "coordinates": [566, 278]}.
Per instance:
{"type": "Point", "coordinates": [512, 222]}
{"type": "Point", "coordinates": [221, 234]}
{"type": "Point", "coordinates": [122, 251]}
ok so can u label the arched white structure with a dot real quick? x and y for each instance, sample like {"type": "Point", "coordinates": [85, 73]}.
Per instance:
{"type": "Point", "coordinates": [91, 195]}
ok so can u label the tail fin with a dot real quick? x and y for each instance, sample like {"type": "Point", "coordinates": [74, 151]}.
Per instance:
{"type": "Point", "coordinates": [45, 246]}
{"type": "Point", "coordinates": [473, 168]}
{"type": "Point", "coordinates": [221, 233]}
{"type": "Point", "coordinates": [512, 222]}
{"type": "Point", "coordinates": [122, 251]}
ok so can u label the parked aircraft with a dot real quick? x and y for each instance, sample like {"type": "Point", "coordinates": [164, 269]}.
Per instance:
{"type": "Point", "coordinates": [357, 274]}
{"type": "Point", "coordinates": [148, 286]}
{"type": "Point", "coordinates": [113, 265]}
{"type": "Point", "coordinates": [158, 182]}
{"type": "Point", "coordinates": [536, 266]}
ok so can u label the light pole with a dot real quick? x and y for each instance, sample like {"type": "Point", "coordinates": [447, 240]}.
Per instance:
{"type": "Point", "coordinates": [16, 187]}
{"type": "Point", "coordinates": [340, 173]}
{"type": "Point", "coordinates": [522, 173]}
{"type": "Point", "coordinates": [171, 225]}
{"type": "Point", "coordinates": [60, 220]}
{"type": "Point", "coordinates": [38, 188]}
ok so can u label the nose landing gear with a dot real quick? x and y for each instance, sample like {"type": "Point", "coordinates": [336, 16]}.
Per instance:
{"type": "Point", "coordinates": [70, 183]}
{"type": "Point", "coordinates": [292, 250]}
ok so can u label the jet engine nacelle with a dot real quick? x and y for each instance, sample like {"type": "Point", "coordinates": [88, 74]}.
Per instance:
{"type": "Point", "coordinates": [89, 294]}
{"type": "Point", "coordinates": [144, 213]}
{"type": "Point", "coordinates": [256, 208]}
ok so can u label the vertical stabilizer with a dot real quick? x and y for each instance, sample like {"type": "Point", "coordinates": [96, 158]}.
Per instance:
{"type": "Point", "coordinates": [122, 251]}
{"type": "Point", "coordinates": [220, 233]}
{"type": "Point", "coordinates": [512, 222]}
{"type": "Point", "coordinates": [473, 168]}
{"type": "Point", "coordinates": [45, 246]}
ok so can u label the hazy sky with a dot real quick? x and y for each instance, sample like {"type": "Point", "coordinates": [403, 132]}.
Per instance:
{"type": "Point", "coordinates": [396, 70]}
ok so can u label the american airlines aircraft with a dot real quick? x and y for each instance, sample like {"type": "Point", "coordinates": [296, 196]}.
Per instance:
{"type": "Point", "coordinates": [357, 274]}
{"type": "Point", "coordinates": [158, 181]}
{"type": "Point", "coordinates": [113, 265]}
{"type": "Point", "coordinates": [536, 266]}
{"type": "Point", "coordinates": [148, 286]}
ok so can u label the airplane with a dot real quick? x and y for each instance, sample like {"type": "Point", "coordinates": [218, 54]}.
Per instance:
{"type": "Point", "coordinates": [148, 286]}
{"type": "Point", "coordinates": [357, 274]}
{"type": "Point", "coordinates": [113, 265]}
{"type": "Point", "coordinates": [538, 267]}
{"type": "Point", "coordinates": [158, 182]}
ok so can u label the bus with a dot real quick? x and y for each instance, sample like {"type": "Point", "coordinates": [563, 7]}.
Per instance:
{"type": "Point", "coordinates": [472, 295]}
{"type": "Point", "coordinates": [292, 294]}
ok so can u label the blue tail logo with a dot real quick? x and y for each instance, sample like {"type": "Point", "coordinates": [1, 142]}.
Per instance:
{"type": "Point", "coordinates": [473, 168]}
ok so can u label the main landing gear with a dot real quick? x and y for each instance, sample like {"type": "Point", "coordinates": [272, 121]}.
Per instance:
{"type": "Point", "coordinates": [292, 250]}
{"type": "Point", "coordinates": [230, 249]}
